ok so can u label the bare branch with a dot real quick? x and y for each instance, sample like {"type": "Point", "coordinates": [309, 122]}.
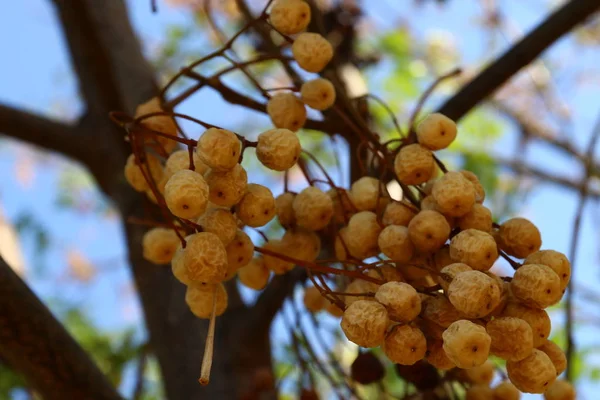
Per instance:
{"type": "Point", "coordinates": [518, 56]}
{"type": "Point", "coordinates": [38, 346]}
{"type": "Point", "coordinates": [43, 132]}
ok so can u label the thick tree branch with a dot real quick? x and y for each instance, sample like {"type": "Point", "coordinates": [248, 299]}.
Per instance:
{"type": "Point", "coordinates": [521, 54]}
{"type": "Point", "coordinates": [43, 132]}
{"type": "Point", "coordinates": [37, 345]}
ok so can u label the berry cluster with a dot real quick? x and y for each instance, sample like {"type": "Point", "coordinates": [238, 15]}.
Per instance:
{"type": "Point", "coordinates": [412, 275]}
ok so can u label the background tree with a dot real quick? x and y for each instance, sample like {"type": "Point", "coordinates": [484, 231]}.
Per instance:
{"type": "Point", "coordinates": [114, 75]}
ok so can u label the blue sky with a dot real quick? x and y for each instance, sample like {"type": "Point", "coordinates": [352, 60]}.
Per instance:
{"type": "Point", "coordinates": [36, 75]}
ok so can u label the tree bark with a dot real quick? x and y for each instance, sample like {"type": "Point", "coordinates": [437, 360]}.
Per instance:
{"type": "Point", "coordinates": [35, 344]}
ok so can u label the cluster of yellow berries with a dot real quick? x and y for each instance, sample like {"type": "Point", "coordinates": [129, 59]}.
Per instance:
{"type": "Point", "coordinates": [436, 298]}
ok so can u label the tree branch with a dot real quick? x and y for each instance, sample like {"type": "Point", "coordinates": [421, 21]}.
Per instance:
{"type": "Point", "coordinates": [521, 54]}
{"type": "Point", "coordinates": [37, 345]}
{"type": "Point", "coordinates": [43, 132]}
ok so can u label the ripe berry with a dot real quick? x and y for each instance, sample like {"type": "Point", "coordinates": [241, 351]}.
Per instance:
{"type": "Point", "coordinates": [257, 207]}
{"type": "Point", "coordinates": [159, 123]}
{"type": "Point", "coordinates": [400, 299]}
{"type": "Point", "coordinates": [159, 245]}
{"type": "Point", "coordinates": [414, 164]}
{"type": "Point", "coordinates": [555, 260]}
{"type": "Point", "coordinates": [479, 392]}
{"type": "Point", "coordinates": [284, 209]}
{"type": "Point", "coordinates": [364, 323]}
{"type": "Point", "coordinates": [276, 264]}
{"type": "Point", "coordinates": [313, 208]}
{"type": "Point", "coordinates": [290, 16]}
{"type": "Point", "coordinates": [436, 355]}
{"type": "Point", "coordinates": [466, 344]}
{"type": "Point", "coordinates": [219, 149]}
{"type": "Point", "coordinates": [519, 237]}
{"type": "Point", "coordinates": [136, 174]}
{"type": "Point", "coordinates": [405, 345]}
{"type": "Point", "coordinates": [536, 286]}
{"type": "Point", "coordinates": [303, 244]}
{"type": "Point", "coordinates": [538, 320]}
{"type": "Point", "coordinates": [363, 232]}
{"type": "Point", "coordinates": [479, 191]}
{"type": "Point", "coordinates": [286, 111]}
{"type": "Point", "coordinates": [181, 160]}
{"type": "Point", "coordinates": [474, 294]}
{"type": "Point", "coordinates": [312, 51]}
{"type": "Point", "coordinates": [393, 241]}
{"type": "Point", "coordinates": [428, 231]}
{"type": "Point", "coordinates": [221, 222]}
{"type": "Point", "coordinates": [454, 194]}
{"type": "Point", "coordinates": [560, 390]}
{"type": "Point", "coordinates": [366, 192]}
{"type": "Point", "coordinates": [556, 355]}
{"type": "Point", "coordinates": [239, 252]}
{"type": "Point", "coordinates": [481, 375]}
{"type": "Point", "coordinates": [506, 391]}
{"type": "Point", "coordinates": [199, 298]}
{"type": "Point", "coordinates": [475, 248]}
{"type": "Point", "coordinates": [449, 272]}
{"type": "Point", "coordinates": [278, 149]}
{"type": "Point", "coordinates": [479, 217]}
{"type": "Point", "coordinates": [318, 93]}
{"type": "Point", "coordinates": [436, 131]}
{"type": "Point", "coordinates": [255, 274]}
{"type": "Point", "coordinates": [227, 188]}
{"type": "Point", "coordinates": [512, 338]}
{"type": "Point", "coordinates": [533, 374]}
{"type": "Point", "coordinates": [205, 258]}
{"type": "Point", "coordinates": [398, 213]}
{"type": "Point", "coordinates": [186, 194]}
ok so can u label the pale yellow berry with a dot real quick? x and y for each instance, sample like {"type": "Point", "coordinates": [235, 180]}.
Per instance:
{"type": "Point", "coordinates": [388, 273]}
{"type": "Point", "coordinates": [538, 320]}
{"type": "Point", "coordinates": [466, 344]}
{"type": "Point", "coordinates": [219, 149]}
{"type": "Point", "coordinates": [186, 194]}
{"type": "Point", "coordinates": [479, 217]}
{"type": "Point", "coordinates": [318, 93]}
{"type": "Point", "coordinates": [284, 209]}
{"type": "Point", "coordinates": [519, 237]}
{"type": "Point", "coordinates": [312, 51]}
{"type": "Point", "coordinates": [414, 164]}
{"type": "Point", "coordinates": [221, 222]}
{"type": "Point", "coordinates": [180, 159]}
{"type": "Point", "coordinates": [440, 311]}
{"type": "Point", "coordinates": [257, 207]}
{"type": "Point", "coordinates": [479, 392]}
{"type": "Point", "coordinates": [394, 242]}
{"type": "Point", "coordinates": [290, 16]}
{"type": "Point", "coordinates": [536, 285]}
{"type": "Point", "coordinates": [449, 272]}
{"type": "Point", "coordinates": [400, 299]}
{"type": "Point", "coordinates": [405, 345]}
{"type": "Point", "coordinates": [365, 322]}
{"type": "Point", "coordinates": [475, 248]}
{"type": "Point", "coordinates": [533, 374]}
{"type": "Point", "coordinates": [474, 294]}
{"type": "Point", "coordinates": [205, 258]}
{"type": "Point", "coordinates": [436, 131]}
{"type": "Point", "coordinates": [506, 391]}
{"type": "Point", "coordinates": [178, 267]}
{"type": "Point", "coordinates": [454, 194]}
{"type": "Point", "coordinates": [436, 355]}
{"type": "Point", "coordinates": [239, 252]}
{"type": "Point", "coordinates": [512, 338]}
{"type": "Point", "coordinates": [398, 213]}
{"type": "Point", "coordinates": [428, 203]}
{"type": "Point", "coordinates": [136, 174]}
{"type": "Point", "coordinates": [255, 274]}
{"type": "Point", "coordinates": [555, 260]}
{"type": "Point", "coordinates": [159, 245]}
{"type": "Point", "coordinates": [160, 123]}
{"type": "Point", "coordinates": [273, 262]}
{"type": "Point", "coordinates": [505, 296]}
{"type": "Point", "coordinates": [227, 188]}
{"type": "Point", "coordinates": [199, 298]}
{"type": "Point", "coordinates": [556, 355]}
{"type": "Point", "coordinates": [313, 300]}
{"type": "Point", "coordinates": [366, 192]}
{"type": "Point", "coordinates": [479, 190]}
{"type": "Point", "coordinates": [359, 286]}
{"type": "Point", "coordinates": [304, 245]}
{"type": "Point", "coordinates": [482, 374]}
{"type": "Point", "coordinates": [363, 232]}
{"type": "Point", "coordinates": [278, 149]}
{"type": "Point", "coordinates": [428, 231]}
{"type": "Point", "coordinates": [343, 208]}
{"type": "Point", "coordinates": [560, 390]}
{"type": "Point", "coordinates": [286, 111]}
{"type": "Point", "coordinates": [313, 208]}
